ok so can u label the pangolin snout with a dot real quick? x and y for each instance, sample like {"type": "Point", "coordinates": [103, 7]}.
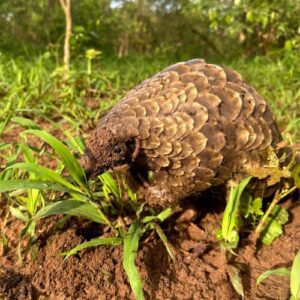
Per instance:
{"type": "Point", "coordinates": [88, 164]}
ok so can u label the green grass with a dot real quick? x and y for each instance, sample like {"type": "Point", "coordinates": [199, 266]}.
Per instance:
{"type": "Point", "coordinates": [36, 86]}
{"type": "Point", "coordinates": [34, 94]}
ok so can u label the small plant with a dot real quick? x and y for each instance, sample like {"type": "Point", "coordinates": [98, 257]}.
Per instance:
{"type": "Point", "coordinates": [243, 210]}
{"type": "Point", "coordinates": [293, 274]}
{"type": "Point", "coordinates": [228, 234]}
{"type": "Point", "coordinates": [270, 223]}
{"type": "Point", "coordinates": [90, 55]}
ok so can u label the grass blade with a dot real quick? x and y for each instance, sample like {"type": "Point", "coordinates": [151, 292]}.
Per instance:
{"type": "Point", "coordinates": [23, 184]}
{"type": "Point", "coordinates": [34, 195]}
{"type": "Point", "coordinates": [44, 173]}
{"type": "Point", "coordinates": [110, 183]}
{"type": "Point", "coordinates": [67, 157]}
{"type": "Point", "coordinates": [230, 215]}
{"type": "Point", "coordinates": [75, 143]}
{"type": "Point", "coordinates": [164, 239]}
{"type": "Point", "coordinates": [295, 277]}
{"type": "Point", "coordinates": [111, 241]}
{"type": "Point", "coordinates": [131, 244]}
{"type": "Point", "coordinates": [17, 213]}
{"type": "Point", "coordinates": [162, 216]}
{"type": "Point", "coordinates": [236, 281]}
{"type": "Point", "coordinates": [277, 272]}
{"type": "Point", "coordinates": [28, 154]}
{"type": "Point", "coordinates": [73, 208]}
{"type": "Point", "coordinates": [4, 124]}
{"type": "Point", "coordinates": [27, 123]}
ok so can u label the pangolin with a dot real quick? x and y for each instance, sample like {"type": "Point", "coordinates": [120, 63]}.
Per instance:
{"type": "Point", "coordinates": [193, 126]}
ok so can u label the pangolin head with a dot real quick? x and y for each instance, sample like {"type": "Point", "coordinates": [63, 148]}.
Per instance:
{"type": "Point", "coordinates": [106, 150]}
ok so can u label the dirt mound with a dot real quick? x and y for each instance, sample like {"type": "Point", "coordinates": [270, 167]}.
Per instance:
{"type": "Point", "coordinates": [97, 273]}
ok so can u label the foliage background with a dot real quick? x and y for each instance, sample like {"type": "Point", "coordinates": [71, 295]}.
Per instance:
{"type": "Point", "coordinates": [136, 38]}
{"type": "Point", "coordinates": [182, 28]}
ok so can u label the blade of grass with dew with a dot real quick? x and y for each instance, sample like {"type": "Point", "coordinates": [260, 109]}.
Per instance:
{"type": "Point", "coordinates": [73, 207]}
{"type": "Point", "coordinates": [71, 163]}
{"type": "Point", "coordinates": [295, 277]}
{"type": "Point", "coordinates": [276, 272]}
{"type": "Point", "coordinates": [111, 241]}
{"type": "Point", "coordinates": [131, 245]}
{"type": "Point", "coordinates": [229, 221]}
{"type": "Point", "coordinates": [44, 173]}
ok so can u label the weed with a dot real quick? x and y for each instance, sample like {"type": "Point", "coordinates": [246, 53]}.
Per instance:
{"type": "Point", "coordinates": [293, 274]}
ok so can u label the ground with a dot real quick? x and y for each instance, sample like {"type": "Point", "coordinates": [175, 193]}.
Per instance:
{"type": "Point", "coordinates": [97, 273]}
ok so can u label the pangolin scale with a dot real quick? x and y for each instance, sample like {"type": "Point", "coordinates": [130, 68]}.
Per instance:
{"type": "Point", "coordinates": [194, 125]}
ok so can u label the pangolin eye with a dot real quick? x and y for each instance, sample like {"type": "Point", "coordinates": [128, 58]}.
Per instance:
{"type": "Point", "coordinates": [118, 149]}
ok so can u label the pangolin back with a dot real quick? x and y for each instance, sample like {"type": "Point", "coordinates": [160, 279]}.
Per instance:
{"type": "Point", "coordinates": [195, 125]}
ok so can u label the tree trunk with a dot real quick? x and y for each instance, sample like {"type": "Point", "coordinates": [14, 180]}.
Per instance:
{"type": "Point", "coordinates": [66, 6]}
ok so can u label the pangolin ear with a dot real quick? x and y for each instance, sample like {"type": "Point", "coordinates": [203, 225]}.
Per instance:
{"type": "Point", "coordinates": [133, 147]}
